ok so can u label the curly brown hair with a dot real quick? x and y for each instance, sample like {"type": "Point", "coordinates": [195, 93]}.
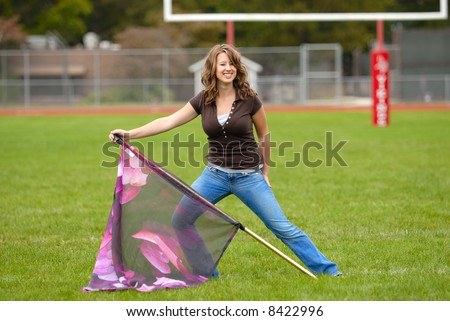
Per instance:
{"type": "Point", "coordinates": [209, 79]}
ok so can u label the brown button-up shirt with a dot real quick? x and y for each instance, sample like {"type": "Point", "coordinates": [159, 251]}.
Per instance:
{"type": "Point", "coordinates": [231, 145]}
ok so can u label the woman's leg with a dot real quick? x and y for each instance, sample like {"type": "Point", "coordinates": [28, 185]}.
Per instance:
{"type": "Point", "coordinates": [183, 222]}
{"type": "Point", "coordinates": [253, 190]}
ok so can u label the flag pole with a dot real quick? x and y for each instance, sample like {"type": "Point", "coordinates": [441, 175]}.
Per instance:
{"type": "Point", "coordinates": [274, 249]}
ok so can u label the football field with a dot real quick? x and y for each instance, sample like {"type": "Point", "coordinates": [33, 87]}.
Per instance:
{"type": "Point", "coordinates": [374, 200]}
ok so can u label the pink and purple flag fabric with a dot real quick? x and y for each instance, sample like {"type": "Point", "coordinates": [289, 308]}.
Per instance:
{"type": "Point", "coordinates": [160, 233]}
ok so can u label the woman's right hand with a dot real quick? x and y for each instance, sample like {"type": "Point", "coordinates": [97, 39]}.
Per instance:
{"type": "Point", "coordinates": [120, 132]}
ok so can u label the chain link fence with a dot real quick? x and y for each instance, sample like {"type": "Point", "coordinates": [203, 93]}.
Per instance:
{"type": "Point", "coordinates": [307, 74]}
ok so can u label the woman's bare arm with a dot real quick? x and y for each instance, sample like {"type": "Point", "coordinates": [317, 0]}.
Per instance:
{"type": "Point", "coordinates": [157, 126]}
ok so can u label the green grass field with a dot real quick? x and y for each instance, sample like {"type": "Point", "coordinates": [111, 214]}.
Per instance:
{"type": "Point", "coordinates": [384, 218]}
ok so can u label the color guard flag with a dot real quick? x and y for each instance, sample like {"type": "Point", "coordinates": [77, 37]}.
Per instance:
{"type": "Point", "coordinates": [160, 233]}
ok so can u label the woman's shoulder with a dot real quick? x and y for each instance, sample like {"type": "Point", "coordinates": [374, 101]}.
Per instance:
{"type": "Point", "coordinates": [256, 99]}
{"type": "Point", "coordinates": [253, 103]}
{"type": "Point", "coordinates": [198, 101]}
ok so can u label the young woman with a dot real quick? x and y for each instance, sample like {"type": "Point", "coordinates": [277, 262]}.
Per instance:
{"type": "Point", "coordinates": [230, 109]}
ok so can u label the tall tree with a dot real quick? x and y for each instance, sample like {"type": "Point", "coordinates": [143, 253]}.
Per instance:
{"type": "Point", "coordinates": [110, 17]}
{"type": "Point", "coordinates": [67, 17]}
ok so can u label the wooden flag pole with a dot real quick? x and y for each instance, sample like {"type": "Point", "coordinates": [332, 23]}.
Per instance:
{"type": "Point", "coordinates": [274, 249]}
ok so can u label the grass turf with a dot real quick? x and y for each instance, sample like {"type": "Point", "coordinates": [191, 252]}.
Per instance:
{"type": "Point", "coordinates": [384, 218]}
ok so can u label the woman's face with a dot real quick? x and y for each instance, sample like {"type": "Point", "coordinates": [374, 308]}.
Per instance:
{"type": "Point", "coordinates": [225, 70]}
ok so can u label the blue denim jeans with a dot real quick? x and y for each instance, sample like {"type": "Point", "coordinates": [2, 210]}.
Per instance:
{"type": "Point", "coordinates": [251, 188]}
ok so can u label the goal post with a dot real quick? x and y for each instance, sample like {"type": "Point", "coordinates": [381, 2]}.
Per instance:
{"type": "Point", "coordinates": [379, 57]}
